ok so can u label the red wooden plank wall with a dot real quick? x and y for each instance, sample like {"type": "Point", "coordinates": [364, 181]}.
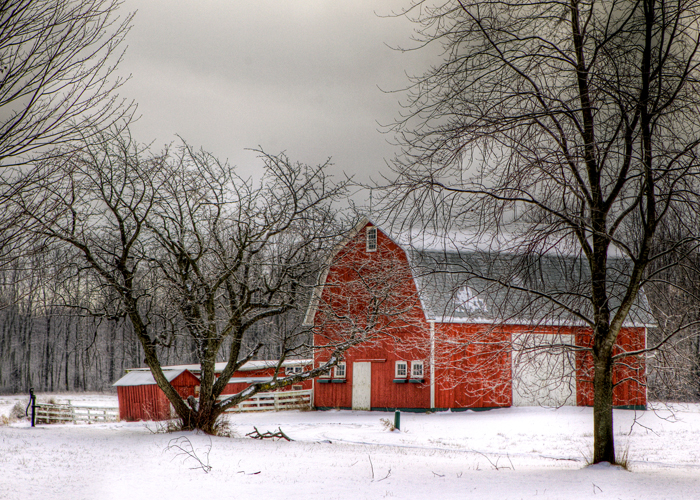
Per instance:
{"type": "Point", "coordinates": [473, 366]}
{"type": "Point", "coordinates": [629, 374]}
{"type": "Point", "coordinates": [148, 402]}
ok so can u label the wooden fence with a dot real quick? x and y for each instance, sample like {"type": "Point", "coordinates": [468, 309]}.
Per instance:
{"type": "Point", "coordinates": [275, 401]}
{"type": "Point", "coordinates": [62, 413]}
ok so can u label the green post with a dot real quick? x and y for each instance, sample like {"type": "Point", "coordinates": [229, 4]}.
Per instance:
{"type": "Point", "coordinates": [397, 420]}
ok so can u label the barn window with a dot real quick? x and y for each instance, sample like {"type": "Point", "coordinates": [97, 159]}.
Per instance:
{"type": "Point", "coordinates": [339, 370]}
{"type": "Point", "coordinates": [416, 369]}
{"type": "Point", "coordinates": [401, 369]}
{"type": "Point", "coordinates": [297, 387]}
{"type": "Point", "coordinates": [325, 375]}
{"type": "Point", "coordinates": [371, 239]}
{"type": "Point", "coordinates": [293, 370]}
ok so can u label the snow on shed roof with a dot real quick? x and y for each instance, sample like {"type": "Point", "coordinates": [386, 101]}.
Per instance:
{"type": "Point", "coordinates": [145, 377]}
{"type": "Point", "coordinates": [256, 364]}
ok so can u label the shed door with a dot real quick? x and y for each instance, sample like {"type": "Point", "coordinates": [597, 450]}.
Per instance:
{"type": "Point", "coordinates": [544, 372]}
{"type": "Point", "coordinates": [361, 386]}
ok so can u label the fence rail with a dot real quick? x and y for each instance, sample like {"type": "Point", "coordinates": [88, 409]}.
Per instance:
{"type": "Point", "coordinates": [274, 401]}
{"type": "Point", "coordinates": [61, 413]}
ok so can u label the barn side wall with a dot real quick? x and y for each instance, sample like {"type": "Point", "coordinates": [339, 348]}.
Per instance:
{"type": "Point", "coordinates": [473, 367]}
{"type": "Point", "coordinates": [142, 402]}
{"type": "Point", "coordinates": [148, 402]}
{"type": "Point", "coordinates": [629, 373]}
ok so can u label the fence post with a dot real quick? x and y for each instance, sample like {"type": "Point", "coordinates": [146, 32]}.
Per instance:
{"type": "Point", "coordinates": [32, 403]}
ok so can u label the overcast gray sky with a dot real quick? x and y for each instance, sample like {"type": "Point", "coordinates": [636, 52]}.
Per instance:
{"type": "Point", "coordinates": [303, 76]}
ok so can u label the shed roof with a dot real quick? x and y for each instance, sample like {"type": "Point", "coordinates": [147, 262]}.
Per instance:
{"type": "Point", "coordinates": [256, 364]}
{"type": "Point", "coordinates": [145, 377]}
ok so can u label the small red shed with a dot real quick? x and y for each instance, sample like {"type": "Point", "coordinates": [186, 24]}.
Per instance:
{"type": "Point", "coordinates": [141, 399]}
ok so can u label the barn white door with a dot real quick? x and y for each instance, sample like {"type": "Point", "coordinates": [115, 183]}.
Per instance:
{"type": "Point", "coordinates": [544, 373]}
{"type": "Point", "coordinates": [361, 386]}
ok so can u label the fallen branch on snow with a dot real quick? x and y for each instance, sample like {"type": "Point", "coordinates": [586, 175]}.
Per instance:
{"type": "Point", "coordinates": [256, 434]}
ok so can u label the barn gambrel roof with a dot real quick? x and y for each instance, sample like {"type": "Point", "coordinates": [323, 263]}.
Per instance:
{"type": "Point", "coordinates": [485, 282]}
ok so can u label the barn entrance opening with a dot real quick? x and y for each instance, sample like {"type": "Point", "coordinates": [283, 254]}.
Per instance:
{"type": "Point", "coordinates": [544, 370]}
{"type": "Point", "coordinates": [361, 386]}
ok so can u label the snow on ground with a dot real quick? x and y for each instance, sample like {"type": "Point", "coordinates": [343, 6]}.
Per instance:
{"type": "Point", "coordinates": [510, 453]}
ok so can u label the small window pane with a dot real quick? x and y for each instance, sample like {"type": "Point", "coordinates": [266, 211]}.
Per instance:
{"type": "Point", "coordinates": [340, 370]}
{"type": "Point", "coordinates": [401, 369]}
{"type": "Point", "coordinates": [417, 369]}
{"type": "Point", "coordinates": [371, 239]}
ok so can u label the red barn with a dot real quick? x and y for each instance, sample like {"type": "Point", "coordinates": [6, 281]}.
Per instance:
{"type": "Point", "coordinates": [440, 330]}
{"type": "Point", "coordinates": [141, 399]}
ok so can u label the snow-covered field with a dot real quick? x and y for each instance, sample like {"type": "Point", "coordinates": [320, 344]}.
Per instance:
{"type": "Point", "coordinates": [511, 453]}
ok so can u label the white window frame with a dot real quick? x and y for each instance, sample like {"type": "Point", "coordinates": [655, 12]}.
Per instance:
{"type": "Point", "coordinates": [399, 367]}
{"type": "Point", "coordinates": [293, 370]}
{"type": "Point", "coordinates": [417, 365]}
{"type": "Point", "coordinates": [325, 375]}
{"type": "Point", "coordinates": [371, 239]}
{"type": "Point", "coordinates": [339, 370]}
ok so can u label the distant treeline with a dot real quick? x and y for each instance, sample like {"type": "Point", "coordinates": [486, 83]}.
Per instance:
{"type": "Point", "coordinates": [50, 342]}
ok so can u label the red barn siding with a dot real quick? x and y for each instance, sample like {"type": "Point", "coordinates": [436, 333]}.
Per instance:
{"type": "Point", "coordinates": [473, 367]}
{"type": "Point", "coordinates": [629, 375]}
{"type": "Point", "coordinates": [142, 402]}
{"type": "Point", "coordinates": [185, 385]}
{"type": "Point", "coordinates": [148, 402]}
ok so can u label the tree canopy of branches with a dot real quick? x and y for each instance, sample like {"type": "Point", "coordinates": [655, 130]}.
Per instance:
{"type": "Point", "coordinates": [674, 294]}
{"type": "Point", "coordinates": [57, 60]}
{"type": "Point", "coordinates": [574, 124]}
{"type": "Point", "coordinates": [216, 253]}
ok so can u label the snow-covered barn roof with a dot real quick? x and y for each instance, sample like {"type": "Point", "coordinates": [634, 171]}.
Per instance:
{"type": "Point", "coordinates": [477, 278]}
{"type": "Point", "coordinates": [481, 287]}
{"type": "Point", "coordinates": [145, 377]}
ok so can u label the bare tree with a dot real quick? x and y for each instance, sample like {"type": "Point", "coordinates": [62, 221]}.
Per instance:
{"type": "Point", "coordinates": [674, 293]}
{"type": "Point", "coordinates": [57, 71]}
{"type": "Point", "coordinates": [572, 125]}
{"type": "Point", "coordinates": [217, 254]}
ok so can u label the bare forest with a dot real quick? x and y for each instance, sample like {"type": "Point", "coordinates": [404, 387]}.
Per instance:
{"type": "Point", "coordinates": [49, 342]}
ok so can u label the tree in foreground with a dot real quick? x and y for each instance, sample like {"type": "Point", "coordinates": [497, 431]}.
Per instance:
{"type": "Point", "coordinates": [186, 247]}
{"type": "Point", "coordinates": [57, 63]}
{"type": "Point", "coordinates": [570, 126]}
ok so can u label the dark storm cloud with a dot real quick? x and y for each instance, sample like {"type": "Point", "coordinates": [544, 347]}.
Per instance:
{"type": "Point", "coordinates": [301, 76]}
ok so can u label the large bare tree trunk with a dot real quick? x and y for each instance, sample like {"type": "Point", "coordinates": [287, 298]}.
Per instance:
{"type": "Point", "coordinates": [603, 436]}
